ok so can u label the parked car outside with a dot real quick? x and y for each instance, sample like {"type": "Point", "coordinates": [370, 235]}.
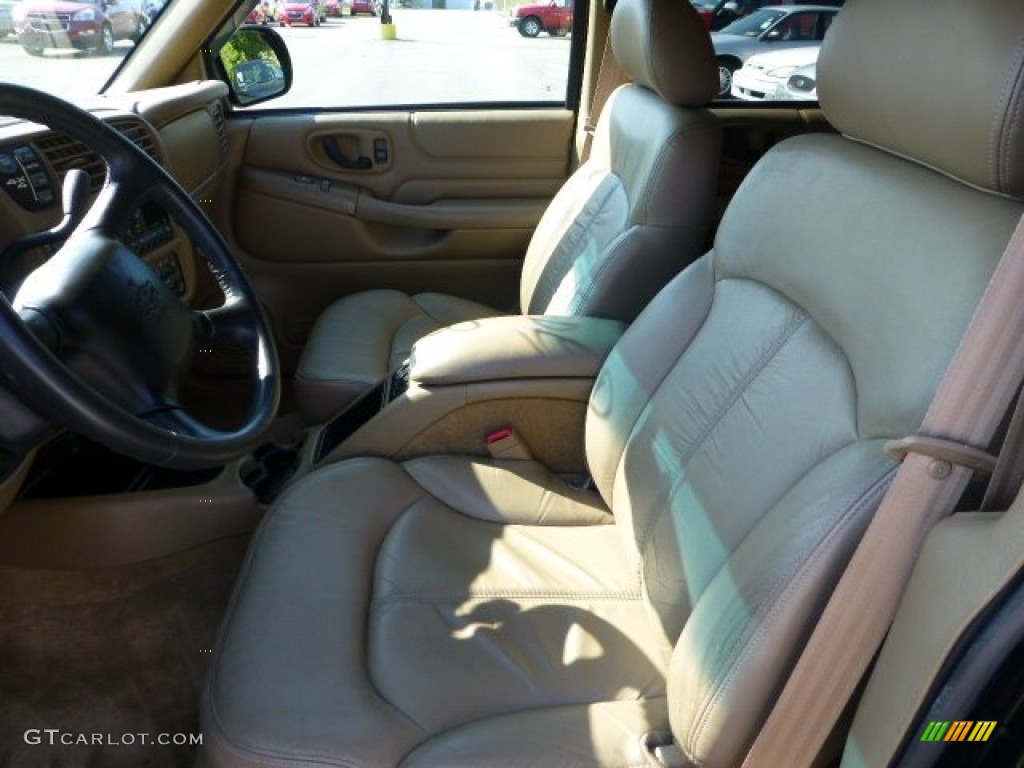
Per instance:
{"type": "Point", "coordinates": [766, 30]}
{"type": "Point", "coordinates": [332, 8]}
{"type": "Point", "coordinates": [263, 12]}
{"type": "Point", "coordinates": [802, 85]}
{"type": "Point", "coordinates": [257, 78]}
{"type": "Point", "coordinates": [720, 13]}
{"type": "Point", "coordinates": [370, 7]}
{"type": "Point", "coordinates": [307, 12]}
{"type": "Point", "coordinates": [764, 76]}
{"type": "Point", "coordinates": [7, 8]}
{"type": "Point", "coordinates": [90, 25]}
{"type": "Point", "coordinates": [152, 8]}
{"type": "Point", "coordinates": [706, 10]}
{"type": "Point", "coordinates": [555, 18]}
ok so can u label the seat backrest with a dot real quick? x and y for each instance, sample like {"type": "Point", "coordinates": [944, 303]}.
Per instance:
{"type": "Point", "coordinates": [640, 208]}
{"type": "Point", "coordinates": [736, 430]}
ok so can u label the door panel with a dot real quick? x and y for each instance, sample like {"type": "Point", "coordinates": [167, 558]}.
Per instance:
{"type": "Point", "coordinates": [430, 201]}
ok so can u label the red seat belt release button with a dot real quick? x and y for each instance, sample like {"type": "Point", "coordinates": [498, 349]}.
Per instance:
{"type": "Point", "coordinates": [506, 444]}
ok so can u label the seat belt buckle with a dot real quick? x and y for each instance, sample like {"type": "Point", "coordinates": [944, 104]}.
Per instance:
{"type": "Point", "coordinates": [942, 450]}
{"type": "Point", "coordinates": [663, 752]}
{"type": "Point", "coordinates": [506, 444]}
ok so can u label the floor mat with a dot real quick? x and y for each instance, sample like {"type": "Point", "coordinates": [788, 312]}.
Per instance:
{"type": "Point", "coordinates": [98, 667]}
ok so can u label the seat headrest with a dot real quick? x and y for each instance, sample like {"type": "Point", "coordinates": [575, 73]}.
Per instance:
{"type": "Point", "coordinates": [663, 45]}
{"type": "Point", "coordinates": [936, 81]}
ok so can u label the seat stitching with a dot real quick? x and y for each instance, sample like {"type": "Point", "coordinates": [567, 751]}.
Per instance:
{"type": "Point", "coordinates": [572, 236]}
{"type": "Point", "coordinates": [870, 496]}
{"type": "Point", "coordinates": [1000, 139]}
{"type": "Point", "coordinates": [371, 683]}
{"type": "Point", "coordinates": [670, 366]}
{"type": "Point", "coordinates": [787, 333]}
{"type": "Point", "coordinates": [785, 336]}
{"type": "Point", "coordinates": [585, 292]}
{"type": "Point", "coordinates": [670, 143]}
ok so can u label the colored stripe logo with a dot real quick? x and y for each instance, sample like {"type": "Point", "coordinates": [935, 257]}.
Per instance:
{"type": "Point", "coordinates": [959, 730]}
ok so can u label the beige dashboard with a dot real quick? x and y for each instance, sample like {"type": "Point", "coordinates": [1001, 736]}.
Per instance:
{"type": "Point", "coordinates": [181, 127]}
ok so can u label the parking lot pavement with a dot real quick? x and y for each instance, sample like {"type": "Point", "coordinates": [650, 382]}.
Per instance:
{"type": "Point", "coordinates": [64, 73]}
{"type": "Point", "coordinates": [440, 57]}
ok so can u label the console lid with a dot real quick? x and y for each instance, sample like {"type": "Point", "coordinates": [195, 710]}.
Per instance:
{"type": "Point", "coordinates": [515, 347]}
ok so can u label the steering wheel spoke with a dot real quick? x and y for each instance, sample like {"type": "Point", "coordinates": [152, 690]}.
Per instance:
{"type": "Point", "coordinates": [114, 205]}
{"type": "Point", "coordinates": [227, 324]}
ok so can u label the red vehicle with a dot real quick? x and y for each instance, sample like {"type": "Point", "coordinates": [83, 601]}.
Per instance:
{"type": "Point", "coordinates": [364, 6]}
{"type": "Point", "coordinates": [720, 13]}
{"type": "Point", "coordinates": [90, 25]}
{"type": "Point", "coordinates": [309, 13]}
{"type": "Point", "coordinates": [260, 14]}
{"type": "Point", "coordinates": [555, 18]}
{"type": "Point", "coordinates": [333, 8]}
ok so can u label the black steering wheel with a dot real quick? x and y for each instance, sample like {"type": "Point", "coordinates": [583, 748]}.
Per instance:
{"type": "Point", "coordinates": [96, 342]}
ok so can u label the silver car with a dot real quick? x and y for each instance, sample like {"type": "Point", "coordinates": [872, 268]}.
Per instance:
{"type": "Point", "coordinates": [769, 29]}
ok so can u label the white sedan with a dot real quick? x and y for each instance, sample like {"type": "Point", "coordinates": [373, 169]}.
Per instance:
{"type": "Point", "coordinates": [764, 76]}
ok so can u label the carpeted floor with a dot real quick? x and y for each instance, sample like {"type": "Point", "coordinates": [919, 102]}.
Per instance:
{"type": "Point", "coordinates": [109, 654]}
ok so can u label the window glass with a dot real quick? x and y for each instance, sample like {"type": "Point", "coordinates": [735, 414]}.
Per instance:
{"type": "Point", "coordinates": [755, 24]}
{"type": "Point", "coordinates": [771, 55]}
{"type": "Point", "coordinates": [70, 47]}
{"type": "Point", "coordinates": [433, 52]}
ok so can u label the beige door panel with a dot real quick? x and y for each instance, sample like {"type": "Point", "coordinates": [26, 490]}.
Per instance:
{"type": "Point", "coordinates": [451, 209]}
{"type": "Point", "coordinates": [330, 213]}
{"type": "Point", "coordinates": [529, 147]}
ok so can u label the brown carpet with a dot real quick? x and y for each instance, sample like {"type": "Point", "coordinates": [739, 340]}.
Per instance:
{"type": "Point", "coordinates": [115, 652]}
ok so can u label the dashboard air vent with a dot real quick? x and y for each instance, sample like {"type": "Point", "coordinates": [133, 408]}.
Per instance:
{"type": "Point", "coordinates": [138, 133]}
{"type": "Point", "coordinates": [65, 153]}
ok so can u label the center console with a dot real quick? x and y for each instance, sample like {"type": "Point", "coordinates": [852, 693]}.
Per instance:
{"type": "Point", "coordinates": [471, 380]}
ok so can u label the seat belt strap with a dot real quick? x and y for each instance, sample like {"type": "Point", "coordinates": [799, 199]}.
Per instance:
{"type": "Point", "coordinates": [971, 401]}
{"type": "Point", "coordinates": [609, 77]}
{"type": "Point", "coordinates": [1008, 474]}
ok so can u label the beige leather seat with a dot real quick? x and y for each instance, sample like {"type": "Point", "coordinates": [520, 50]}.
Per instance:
{"type": "Point", "coordinates": [449, 611]}
{"type": "Point", "coordinates": [630, 218]}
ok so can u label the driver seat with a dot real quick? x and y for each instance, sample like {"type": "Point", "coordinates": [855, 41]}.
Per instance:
{"type": "Point", "coordinates": [461, 612]}
{"type": "Point", "coordinates": [630, 217]}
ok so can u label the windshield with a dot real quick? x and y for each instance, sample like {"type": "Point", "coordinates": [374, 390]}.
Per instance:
{"type": "Point", "coordinates": [70, 47]}
{"type": "Point", "coordinates": [705, 5]}
{"type": "Point", "coordinates": [755, 24]}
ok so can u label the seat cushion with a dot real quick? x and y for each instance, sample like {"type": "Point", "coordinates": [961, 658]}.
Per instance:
{"type": "Point", "coordinates": [441, 612]}
{"type": "Point", "coordinates": [359, 339]}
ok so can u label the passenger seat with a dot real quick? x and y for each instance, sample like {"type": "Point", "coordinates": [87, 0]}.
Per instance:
{"type": "Point", "coordinates": [630, 218]}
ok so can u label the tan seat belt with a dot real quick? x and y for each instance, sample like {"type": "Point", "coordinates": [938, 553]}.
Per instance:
{"type": "Point", "coordinates": [1008, 475]}
{"type": "Point", "coordinates": [609, 77]}
{"type": "Point", "coordinates": [971, 401]}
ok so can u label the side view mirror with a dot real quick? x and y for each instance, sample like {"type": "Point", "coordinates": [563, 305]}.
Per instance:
{"type": "Point", "coordinates": [255, 64]}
